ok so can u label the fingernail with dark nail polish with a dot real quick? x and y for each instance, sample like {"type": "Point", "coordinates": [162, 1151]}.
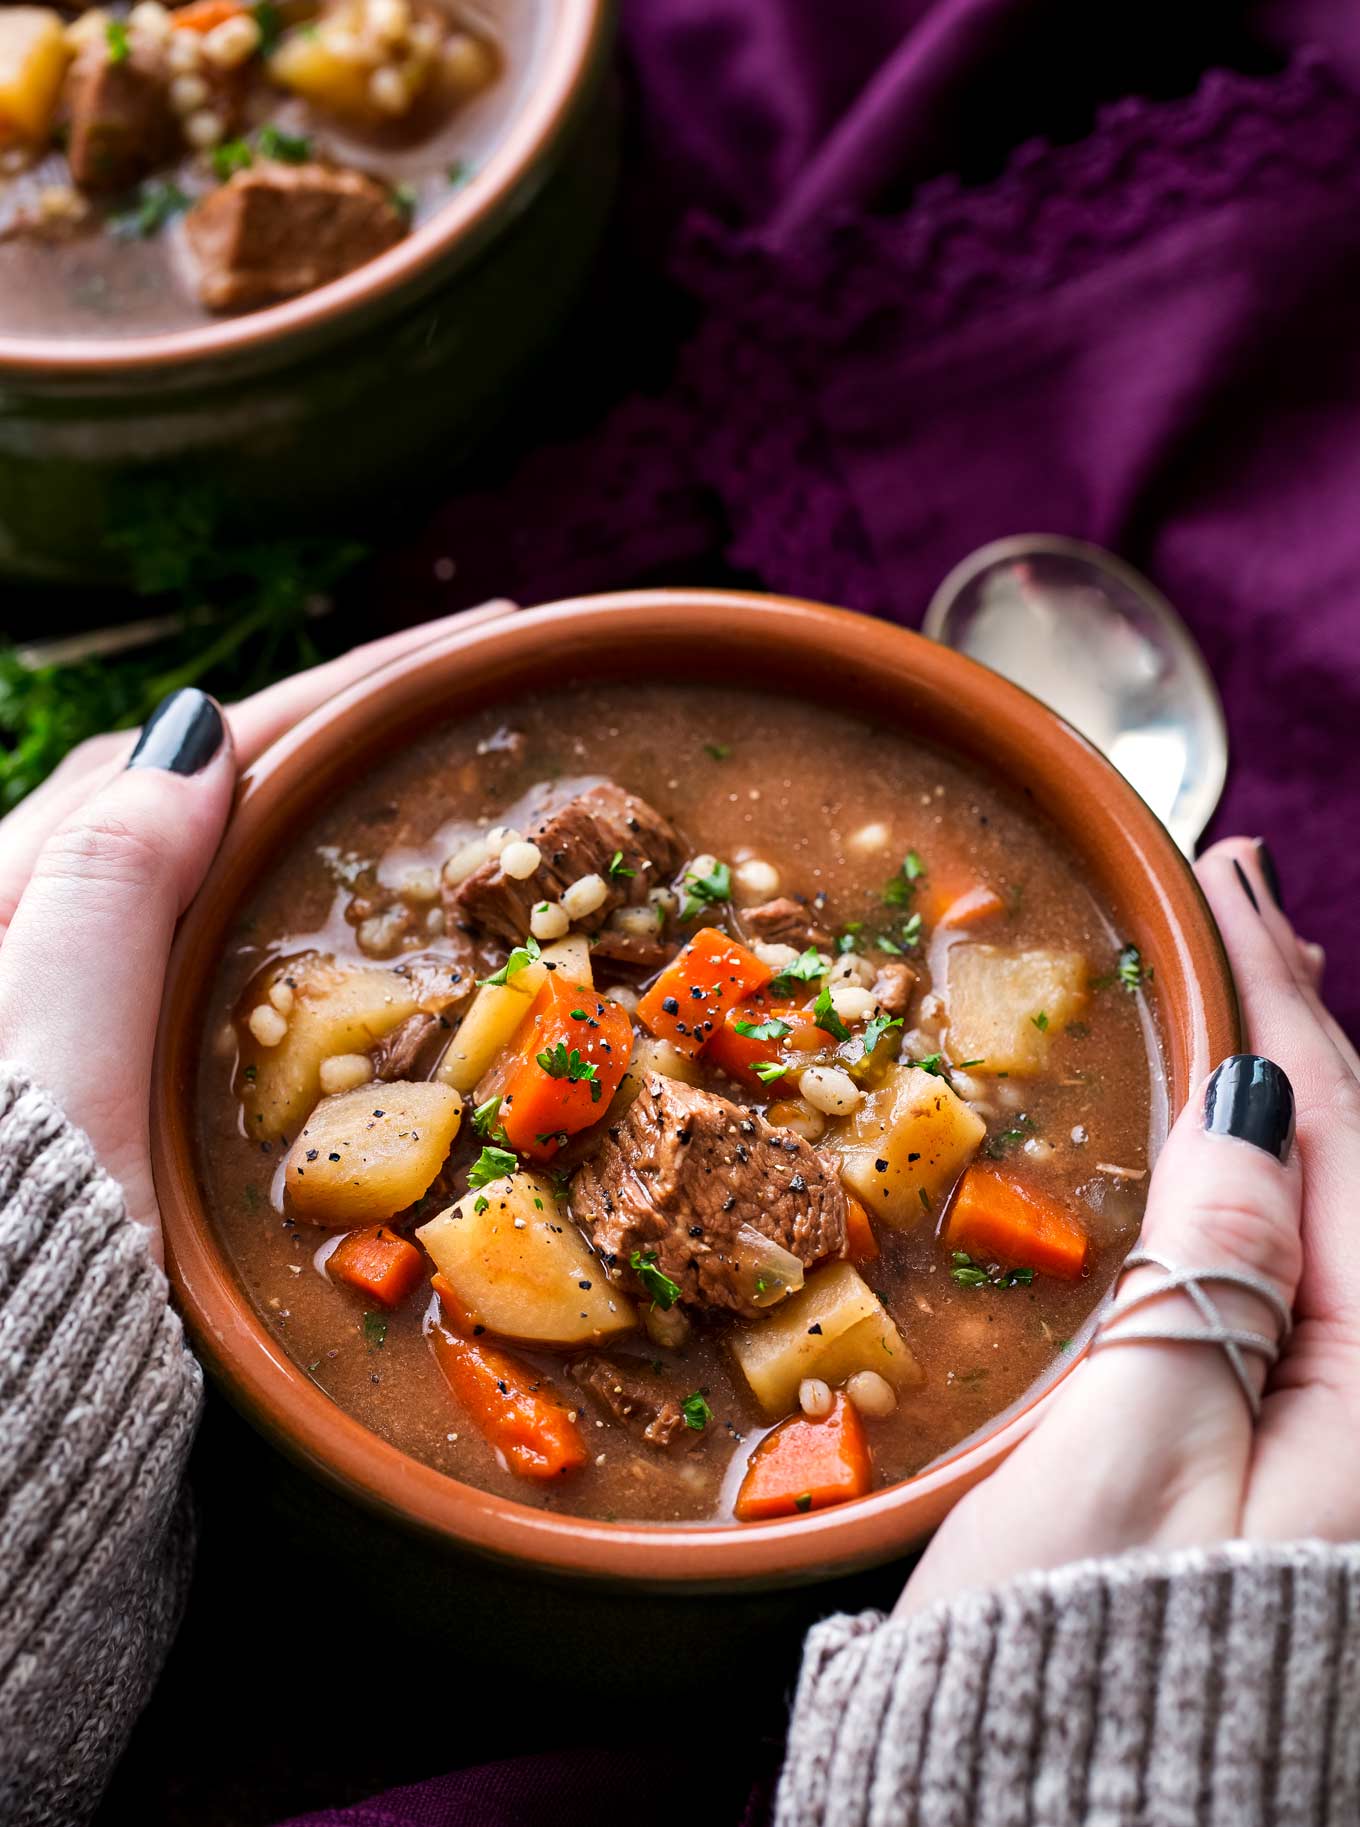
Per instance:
{"type": "Point", "coordinates": [1269, 873]}
{"type": "Point", "coordinates": [182, 734]}
{"type": "Point", "coordinates": [1250, 1098]}
{"type": "Point", "coordinates": [1247, 888]}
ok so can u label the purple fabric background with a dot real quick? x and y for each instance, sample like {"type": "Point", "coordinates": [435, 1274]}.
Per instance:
{"type": "Point", "coordinates": [894, 278]}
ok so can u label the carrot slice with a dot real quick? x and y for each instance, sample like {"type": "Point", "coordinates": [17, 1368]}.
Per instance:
{"type": "Point", "coordinates": [689, 999]}
{"type": "Point", "coordinates": [737, 1053]}
{"type": "Point", "coordinates": [860, 1243]}
{"type": "Point", "coordinates": [560, 1069]}
{"type": "Point", "coordinates": [203, 15]}
{"type": "Point", "coordinates": [520, 1412]}
{"type": "Point", "coordinates": [970, 909]}
{"type": "Point", "coordinates": [996, 1216]}
{"type": "Point", "coordinates": [806, 1465]}
{"type": "Point", "coordinates": [377, 1262]}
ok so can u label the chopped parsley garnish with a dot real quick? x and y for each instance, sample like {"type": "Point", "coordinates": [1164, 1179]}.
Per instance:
{"type": "Point", "coordinates": [1131, 970]}
{"type": "Point", "coordinates": [964, 1064]}
{"type": "Point", "coordinates": [658, 1284]}
{"type": "Point", "coordinates": [907, 940]}
{"type": "Point", "coordinates": [559, 1063]}
{"type": "Point", "coordinates": [492, 1164]}
{"type": "Point", "coordinates": [156, 205]}
{"type": "Point", "coordinates": [375, 1330]}
{"type": "Point", "coordinates": [710, 889]}
{"type": "Point", "coordinates": [933, 1063]}
{"type": "Point", "coordinates": [877, 1027]}
{"type": "Point", "coordinates": [898, 892]}
{"type": "Point", "coordinates": [480, 1204]}
{"type": "Point", "coordinates": [806, 968]}
{"type": "Point", "coordinates": [231, 156]}
{"type": "Point", "coordinates": [1020, 1131]}
{"type": "Point", "coordinates": [970, 1274]}
{"type": "Point", "coordinates": [484, 1119]}
{"type": "Point", "coordinates": [718, 750]}
{"type": "Point", "coordinates": [528, 953]}
{"type": "Point", "coordinates": [767, 1070]}
{"type": "Point", "coordinates": [773, 1029]}
{"type": "Point", "coordinates": [116, 37]}
{"type": "Point", "coordinates": [846, 942]}
{"type": "Point", "coordinates": [616, 869]}
{"type": "Point", "coordinates": [803, 1503]}
{"type": "Point", "coordinates": [696, 1411]}
{"type": "Point", "coordinates": [270, 21]}
{"type": "Point", "coordinates": [404, 199]}
{"type": "Point", "coordinates": [826, 1017]}
{"type": "Point", "coordinates": [1040, 1021]}
{"type": "Point", "coordinates": [287, 148]}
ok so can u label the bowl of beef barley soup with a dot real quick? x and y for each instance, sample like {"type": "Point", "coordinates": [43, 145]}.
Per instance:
{"type": "Point", "coordinates": [658, 1087]}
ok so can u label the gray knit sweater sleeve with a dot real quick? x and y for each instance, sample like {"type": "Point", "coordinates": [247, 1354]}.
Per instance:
{"type": "Point", "coordinates": [98, 1400]}
{"type": "Point", "coordinates": [1202, 1689]}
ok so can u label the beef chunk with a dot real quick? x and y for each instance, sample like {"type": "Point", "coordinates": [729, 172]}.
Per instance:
{"type": "Point", "coordinates": [632, 951]}
{"type": "Point", "coordinates": [633, 1394]}
{"type": "Point", "coordinates": [121, 123]}
{"type": "Point", "coordinates": [581, 838]}
{"type": "Point", "coordinates": [275, 230]}
{"type": "Point", "coordinates": [443, 981]}
{"type": "Point", "coordinates": [785, 921]}
{"type": "Point", "coordinates": [893, 987]}
{"type": "Point", "coordinates": [681, 1174]}
{"type": "Point", "coordinates": [407, 1051]}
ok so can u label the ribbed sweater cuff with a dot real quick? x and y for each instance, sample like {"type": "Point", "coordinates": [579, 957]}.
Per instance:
{"type": "Point", "coordinates": [98, 1401]}
{"type": "Point", "coordinates": [1214, 1688]}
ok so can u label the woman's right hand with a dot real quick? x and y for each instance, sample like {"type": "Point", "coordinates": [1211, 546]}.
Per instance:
{"type": "Point", "coordinates": [1152, 1445]}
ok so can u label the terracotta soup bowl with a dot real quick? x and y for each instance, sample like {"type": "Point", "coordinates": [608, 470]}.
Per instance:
{"type": "Point", "coordinates": [830, 656]}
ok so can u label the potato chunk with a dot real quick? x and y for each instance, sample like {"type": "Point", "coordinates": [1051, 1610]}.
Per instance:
{"type": "Point", "coordinates": [906, 1145]}
{"type": "Point", "coordinates": [855, 1332]}
{"type": "Point", "coordinates": [497, 1009]}
{"type": "Point", "coordinates": [33, 59]}
{"type": "Point", "coordinates": [369, 1153]}
{"type": "Point", "coordinates": [518, 1266]}
{"type": "Point", "coordinates": [335, 1008]}
{"type": "Point", "coordinates": [1005, 1006]}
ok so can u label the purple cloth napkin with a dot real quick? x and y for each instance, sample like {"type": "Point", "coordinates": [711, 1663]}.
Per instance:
{"type": "Point", "coordinates": [1139, 333]}
{"type": "Point", "coordinates": [937, 273]}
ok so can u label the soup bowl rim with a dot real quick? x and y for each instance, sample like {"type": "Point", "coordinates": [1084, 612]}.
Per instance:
{"type": "Point", "coordinates": [276, 794]}
{"type": "Point", "coordinates": [575, 44]}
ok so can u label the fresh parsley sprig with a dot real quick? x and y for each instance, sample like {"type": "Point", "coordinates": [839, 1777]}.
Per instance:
{"type": "Point", "coordinates": [557, 1062]}
{"type": "Point", "coordinates": [711, 890]}
{"type": "Point", "coordinates": [970, 1274]}
{"type": "Point", "coordinates": [492, 1164]}
{"type": "Point", "coordinates": [528, 953]}
{"type": "Point", "coordinates": [663, 1290]}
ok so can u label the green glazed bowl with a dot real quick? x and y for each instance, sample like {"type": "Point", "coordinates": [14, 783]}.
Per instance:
{"type": "Point", "coordinates": [318, 411]}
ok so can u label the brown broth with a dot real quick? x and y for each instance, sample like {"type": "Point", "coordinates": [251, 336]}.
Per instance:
{"type": "Point", "coordinates": [797, 782]}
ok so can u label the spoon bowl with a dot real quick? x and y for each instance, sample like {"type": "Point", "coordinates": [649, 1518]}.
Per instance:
{"type": "Point", "coordinates": [1092, 638]}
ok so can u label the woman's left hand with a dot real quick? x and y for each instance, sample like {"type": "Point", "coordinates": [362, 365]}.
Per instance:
{"type": "Point", "coordinates": [96, 867]}
{"type": "Point", "coordinates": [1153, 1445]}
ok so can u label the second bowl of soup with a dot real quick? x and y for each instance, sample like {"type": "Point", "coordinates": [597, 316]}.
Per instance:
{"type": "Point", "coordinates": [666, 1082]}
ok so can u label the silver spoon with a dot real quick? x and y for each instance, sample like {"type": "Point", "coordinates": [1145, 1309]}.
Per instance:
{"type": "Point", "coordinates": [1091, 636]}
